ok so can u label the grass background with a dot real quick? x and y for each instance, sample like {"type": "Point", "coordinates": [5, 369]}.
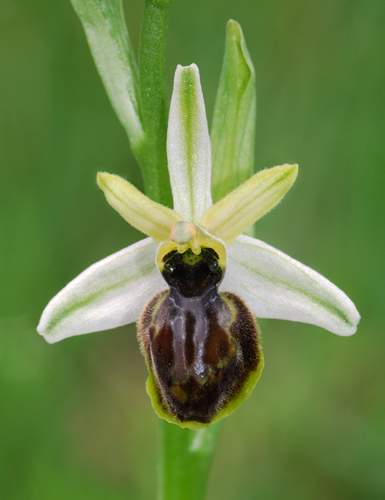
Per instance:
{"type": "Point", "coordinates": [75, 421]}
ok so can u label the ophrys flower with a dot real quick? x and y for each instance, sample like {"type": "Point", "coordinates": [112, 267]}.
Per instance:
{"type": "Point", "coordinates": [194, 281]}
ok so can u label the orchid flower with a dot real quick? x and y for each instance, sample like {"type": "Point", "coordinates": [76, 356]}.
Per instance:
{"type": "Point", "coordinates": [196, 283]}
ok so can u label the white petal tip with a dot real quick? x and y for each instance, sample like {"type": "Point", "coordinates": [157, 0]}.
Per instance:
{"type": "Point", "coordinates": [46, 329]}
{"type": "Point", "coordinates": [192, 66]}
{"type": "Point", "coordinates": [47, 337]}
{"type": "Point", "coordinates": [351, 327]}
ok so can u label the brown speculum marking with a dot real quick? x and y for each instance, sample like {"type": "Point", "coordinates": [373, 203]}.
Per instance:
{"type": "Point", "coordinates": [202, 345]}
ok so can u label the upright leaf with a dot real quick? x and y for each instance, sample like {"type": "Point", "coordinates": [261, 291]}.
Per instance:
{"type": "Point", "coordinates": [106, 31]}
{"type": "Point", "coordinates": [233, 127]}
{"type": "Point", "coordinates": [154, 100]}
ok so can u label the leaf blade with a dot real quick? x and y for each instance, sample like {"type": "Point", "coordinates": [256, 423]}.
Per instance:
{"type": "Point", "coordinates": [107, 35]}
{"type": "Point", "coordinates": [234, 119]}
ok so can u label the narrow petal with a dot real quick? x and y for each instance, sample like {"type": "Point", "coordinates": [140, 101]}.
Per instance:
{"type": "Point", "coordinates": [232, 215]}
{"type": "Point", "coordinates": [188, 146]}
{"type": "Point", "coordinates": [150, 217]}
{"type": "Point", "coordinates": [108, 294]}
{"type": "Point", "coordinates": [276, 286]}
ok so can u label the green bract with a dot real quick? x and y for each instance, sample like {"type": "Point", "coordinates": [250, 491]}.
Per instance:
{"type": "Point", "coordinates": [114, 291]}
{"type": "Point", "coordinates": [233, 127]}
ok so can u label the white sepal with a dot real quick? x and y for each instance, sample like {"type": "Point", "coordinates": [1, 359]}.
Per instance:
{"type": "Point", "coordinates": [110, 293]}
{"type": "Point", "coordinates": [276, 286]}
{"type": "Point", "coordinates": [188, 146]}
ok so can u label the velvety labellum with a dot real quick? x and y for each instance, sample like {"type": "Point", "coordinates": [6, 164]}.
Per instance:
{"type": "Point", "coordinates": [201, 345]}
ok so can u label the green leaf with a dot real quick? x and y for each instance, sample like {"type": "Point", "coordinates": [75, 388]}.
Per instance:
{"type": "Point", "coordinates": [104, 24]}
{"type": "Point", "coordinates": [233, 127]}
{"type": "Point", "coordinates": [154, 100]}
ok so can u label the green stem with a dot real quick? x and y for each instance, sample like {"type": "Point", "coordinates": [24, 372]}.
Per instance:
{"type": "Point", "coordinates": [154, 100]}
{"type": "Point", "coordinates": [185, 461]}
{"type": "Point", "coordinates": [185, 455]}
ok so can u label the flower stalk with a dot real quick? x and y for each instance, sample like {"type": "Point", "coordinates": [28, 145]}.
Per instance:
{"type": "Point", "coordinates": [185, 459]}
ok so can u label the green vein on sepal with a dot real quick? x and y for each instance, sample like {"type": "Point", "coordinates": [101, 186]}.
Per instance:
{"type": "Point", "coordinates": [79, 304]}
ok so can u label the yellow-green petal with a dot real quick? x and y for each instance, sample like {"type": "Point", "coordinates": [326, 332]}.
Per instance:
{"type": "Point", "coordinates": [150, 217]}
{"type": "Point", "coordinates": [232, 215]}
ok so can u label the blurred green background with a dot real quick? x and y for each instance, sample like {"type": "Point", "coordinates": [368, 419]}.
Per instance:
{"type": "Point", "coordinates": [75, 421]}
